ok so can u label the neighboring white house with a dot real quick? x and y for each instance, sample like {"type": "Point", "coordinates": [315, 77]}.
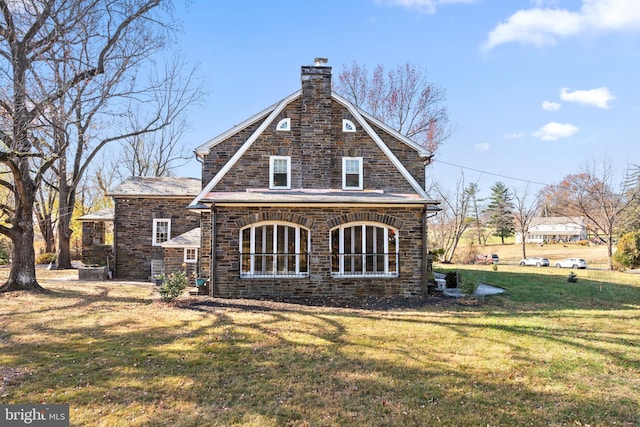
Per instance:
{"type": "Point", "coordinates": [555, 229]}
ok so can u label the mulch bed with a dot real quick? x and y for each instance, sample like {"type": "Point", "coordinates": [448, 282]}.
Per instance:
{"type": "Point", "coordinates": [382, 303]}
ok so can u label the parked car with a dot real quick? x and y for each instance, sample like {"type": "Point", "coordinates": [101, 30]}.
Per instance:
{"type": "Point", "coordinates": [535, 261]}
{"type": "Point", "coordinates": [487, 259]}
{"type": "Point", "coordinates": [571, 263]}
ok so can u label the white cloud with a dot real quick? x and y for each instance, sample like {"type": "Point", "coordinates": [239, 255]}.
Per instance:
{"type": "Point", "coordinates": [551, 106]}
{"type": "Point", "coordinates": [516, 135]}
{"type": "Point", "coordinates": [553, 131]}
{"type": "Point", "coordinates": [599, 97]}
{"type": "Point", "coordinates": [482, 147]}
{"type": "Point", "coordinates": [426, 6]}
{"type": "Point", "coordinates": [540, 26]}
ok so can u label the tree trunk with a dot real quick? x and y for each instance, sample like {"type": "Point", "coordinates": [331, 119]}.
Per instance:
{"type": "Point", "coordinates": [65, 211]}
{"type": "Point", "coordinates": [610, 252]}
{"type": "Point", "coordinates": [22, 276]}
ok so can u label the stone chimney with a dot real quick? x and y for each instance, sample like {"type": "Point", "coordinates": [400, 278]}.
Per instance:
{"type": "Point", "coordinates": [315, 124]}
{"type": "Point", "coordinates": [316, 79]}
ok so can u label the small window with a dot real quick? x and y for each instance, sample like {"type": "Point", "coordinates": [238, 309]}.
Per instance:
{"type": "Point", "coordinates": [280, 172]}
{"type": "Point", "coordinates": [190, 255]}
{"type": "Point", "coordinates": [352, 173]}
{"type": "Point", "coordinates": [348, 126]}
{"type": "Point", "coordinates": [161, 231]}
{"type": "Point", "coordinates": [284, 125]}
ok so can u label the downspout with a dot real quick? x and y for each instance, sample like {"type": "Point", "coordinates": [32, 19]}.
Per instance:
{"type": "Point", "coordinates": [212, 284]}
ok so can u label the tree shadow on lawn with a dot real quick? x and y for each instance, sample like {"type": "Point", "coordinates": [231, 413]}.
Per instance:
{"type": "Point", "coordinates": [223, 369]}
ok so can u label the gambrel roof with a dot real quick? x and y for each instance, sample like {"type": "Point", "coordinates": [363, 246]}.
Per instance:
{"type": "Point", "coordinates": [267, 116]}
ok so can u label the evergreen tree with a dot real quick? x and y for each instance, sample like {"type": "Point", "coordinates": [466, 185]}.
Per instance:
{"type": "Point", "coordinates": [500, 210]}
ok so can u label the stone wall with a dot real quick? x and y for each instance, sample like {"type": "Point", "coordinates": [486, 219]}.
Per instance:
{"type": "Point", "coordinates": [134, 228]}
{"type": "Point", "coordinates": [228, 283]}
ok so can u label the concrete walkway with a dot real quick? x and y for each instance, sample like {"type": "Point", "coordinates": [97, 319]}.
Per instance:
{"type": "Point", "coordinates": [483, 290]}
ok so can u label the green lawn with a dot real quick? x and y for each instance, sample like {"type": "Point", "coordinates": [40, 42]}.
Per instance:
{"type": "Point", "coordinates": [546, 352]}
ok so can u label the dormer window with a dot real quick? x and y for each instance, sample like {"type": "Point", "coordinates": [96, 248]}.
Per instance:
{"type": "Point", "coordinates": [284, 125]}
{"type": "Point", "coordinates": [279, 172]}
{"type": "Point", "coordinates": [348, 126]}
{"type": "Point", "coordinates": [352, 173]}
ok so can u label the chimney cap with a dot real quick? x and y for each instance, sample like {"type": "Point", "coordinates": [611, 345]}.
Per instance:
{"type": "Point", "coordinates": [319, 62]}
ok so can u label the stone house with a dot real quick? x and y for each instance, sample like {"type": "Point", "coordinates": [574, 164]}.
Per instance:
{"type": "Point", "coordinates": [149, 211]}
{"type": "Point", "coordinates": [309, 197]}
{"type": "Point", "coordinates": [555, 229]}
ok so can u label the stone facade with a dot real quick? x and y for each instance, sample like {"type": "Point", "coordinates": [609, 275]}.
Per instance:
{"type": "Point", "coordinates": [229, 284]}
{"type": "Point", "coordinates": [134, 231]}
{"type": "Point", "coordinates": [95, 251]}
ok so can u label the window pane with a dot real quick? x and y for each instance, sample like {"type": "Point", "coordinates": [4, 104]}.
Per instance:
{"type": "Point", "coordinates": [352, 180]}
{"type": "Point", "coordinates": [335, 250]}
{"type": "Point", "coordinates": [304, 249]}
{"type": "Point", "coordinates": [370, 251]}
{"type": "Point", "coordinates": [246, 249]}
{"type": "Point", "coordinates": [162, 231]}
{"type": "Point", "coordinates": [280, 166]}
{"type": "Point", "coordinates": [352, 166]}
{"type": "Point", "coordinates": [279, 179]}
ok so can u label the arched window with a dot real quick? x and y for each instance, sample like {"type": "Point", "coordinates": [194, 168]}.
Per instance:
{"type": "Point", "coordinates": [274, 249]}
{"type": "Point", "coordinates": [284, 125]}
{"type": "Point", "coordinates": [364, 249]}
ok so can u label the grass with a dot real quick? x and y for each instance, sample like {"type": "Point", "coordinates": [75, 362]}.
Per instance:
{"type": "Point", "coordinates": [547, 352]}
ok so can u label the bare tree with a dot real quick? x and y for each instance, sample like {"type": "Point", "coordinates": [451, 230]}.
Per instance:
{"type": "Point", "coordinates": [48, 50]}
{"type": "Point", "coordinates": [451, 223]}
{"type": "Point", "coordinates": [525, 209]}
{"type": "Point", "coordinates": [594, 196]}
{"type": "Point", "coordinates": [165, 97]}
{"type": "Point", "coordinates": [477, 219]}
{"type": "Point", "coordinates": [403, 98]}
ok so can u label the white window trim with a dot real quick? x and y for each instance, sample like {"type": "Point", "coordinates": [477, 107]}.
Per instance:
{"type": "Point", "coordinates": [348, 126]}
{"type": "Point", "coordinates": [344, 173]}
{"type": "Point", "coordinates": [272, 159]}
{"type": "Point", "coordinates": [190, 261]}
{"type": "Point", "coordinates": [264, 249]}
{"type": "Point", "coordinates": [341, 260]}
{"type": "Point", "coordinates": [155, 230]}
{"type": "Point", "coordinates": [284, 125]}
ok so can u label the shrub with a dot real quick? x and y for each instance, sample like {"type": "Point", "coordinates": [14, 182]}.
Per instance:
{"type": "Point", "coordinates": [173, 285]}
{"type": "Point", "coordinates": [46, 258]}
{"type": "Point", "coordinates": [628, 251]}
{"type": "Point", "coordinates": [469, 285]}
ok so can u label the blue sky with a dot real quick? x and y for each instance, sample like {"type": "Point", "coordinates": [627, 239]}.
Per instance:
{"type": "Point", "coordinates": [535, 89]}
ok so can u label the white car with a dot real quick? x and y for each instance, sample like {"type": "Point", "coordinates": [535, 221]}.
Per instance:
{"type": "Point", "coordinates": [535, 261]}
{"type": "Point", "coordinates": [571, 263]}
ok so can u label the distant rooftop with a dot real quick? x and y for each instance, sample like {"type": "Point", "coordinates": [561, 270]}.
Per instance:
{"type": "Point", "coordinates": [106, 214]}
